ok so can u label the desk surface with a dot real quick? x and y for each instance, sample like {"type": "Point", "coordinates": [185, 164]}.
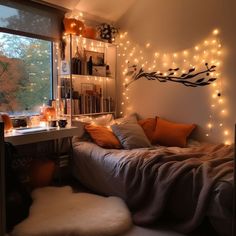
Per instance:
{"type": "Point", "coordinates": [19, 139]}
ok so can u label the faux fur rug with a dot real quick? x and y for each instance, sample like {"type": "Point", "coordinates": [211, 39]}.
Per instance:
{"type": "Point", "coordinates": [57, 211]}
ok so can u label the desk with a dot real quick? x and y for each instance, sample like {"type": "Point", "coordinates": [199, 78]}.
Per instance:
{"type": "Point", "coordinates": [54, 134]}
{"type": "Point", "coordinates": [21, 139]}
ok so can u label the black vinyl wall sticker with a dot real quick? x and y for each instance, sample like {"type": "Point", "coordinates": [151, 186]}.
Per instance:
{"type": "Point", "coordinates": [186, 79]}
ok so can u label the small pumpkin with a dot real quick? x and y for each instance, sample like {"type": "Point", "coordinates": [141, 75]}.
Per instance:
{"type": "Point", "coordinates": [7, 121]}
{"type": "Point", "coordinates": [73, 26]}
{"type": "Point", "coordinates": [48, 113]}
{"type": "Point", "coordinates": [41, 172]}
{"type": "Point", "coordinates": [89, 32]}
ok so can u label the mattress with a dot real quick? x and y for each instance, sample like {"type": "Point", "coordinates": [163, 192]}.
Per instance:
{"type": "Point", "coordinates": [181, 186]}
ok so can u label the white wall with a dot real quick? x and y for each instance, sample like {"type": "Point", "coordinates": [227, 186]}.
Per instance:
{"type": "Point", "coordinates": [172, 26]}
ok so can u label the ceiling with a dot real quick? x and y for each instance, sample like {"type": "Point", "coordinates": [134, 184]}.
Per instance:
{"type": "Point", "coordinates": [110, 10]}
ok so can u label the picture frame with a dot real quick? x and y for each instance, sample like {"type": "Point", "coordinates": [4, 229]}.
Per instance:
{"type": "Point", "coordinates": [97, 57]}
{"type": "Point", "coordinates": [65, 68]}
{"type": "Point", "coordinates": [99, 71]}
{"type": "Point", "coordinates": [85, 87]}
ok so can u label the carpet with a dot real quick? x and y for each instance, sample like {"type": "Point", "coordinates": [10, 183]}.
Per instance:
{"type": "Point", "coordinates": [58, 211]}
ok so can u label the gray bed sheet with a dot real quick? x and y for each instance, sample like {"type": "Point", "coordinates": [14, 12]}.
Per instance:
{"type": "Point", "coordinates": [179, 185]}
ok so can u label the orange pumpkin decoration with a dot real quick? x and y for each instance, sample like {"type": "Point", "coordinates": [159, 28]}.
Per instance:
{"type": "Point", "coordinates": [7, 121]}
{"type": "Point", "coordinates": [73, 26]}
{"type": "Point", "coordinates": [48, 113]}
{"type": "Point", "coordinates": [89, 32]}
{"type": "Point", "coordinates": [41, 172]}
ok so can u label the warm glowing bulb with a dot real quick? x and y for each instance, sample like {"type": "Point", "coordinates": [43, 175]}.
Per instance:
{"type": "Point", "coordinates": [196, 48]}
{"type": "Point", "coordinates": [148, 45]}
{"type": "Point", "coordinates": [226, 132]}
{"type": "Point", "coordinates": [227, 142]}
{"type": "Point", "coordinates": [215, 31]}
{"type": "Point", "coordinates": [221, 125]}
{"type": "Point", "coordinates": [209, 125]}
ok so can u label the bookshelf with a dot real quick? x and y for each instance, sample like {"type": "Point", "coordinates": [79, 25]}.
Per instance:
{"type": "Point", "coordinates": [86, 78]}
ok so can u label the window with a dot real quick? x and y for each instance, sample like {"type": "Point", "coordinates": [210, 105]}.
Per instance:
{"type": "Point", "coordinates": [25, 73]}
{"type": "Point", "coordinates": [28, 31]}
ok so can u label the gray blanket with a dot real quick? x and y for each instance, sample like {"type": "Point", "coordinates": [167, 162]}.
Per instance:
{"type": "Point", "coordinates": [178, 185]}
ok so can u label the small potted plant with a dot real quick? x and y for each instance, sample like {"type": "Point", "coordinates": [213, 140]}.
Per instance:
{"type": "Point", "coordinates": [107, 32]}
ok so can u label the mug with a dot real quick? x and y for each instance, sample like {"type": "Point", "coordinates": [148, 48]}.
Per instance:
{"type": "Point", "coordinates": [62, 123]}
{"type": "Point", "coordinates": [52, 123]}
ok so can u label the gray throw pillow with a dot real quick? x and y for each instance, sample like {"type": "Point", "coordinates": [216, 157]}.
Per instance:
{"type": "Point", "coordinates": [131, 135]}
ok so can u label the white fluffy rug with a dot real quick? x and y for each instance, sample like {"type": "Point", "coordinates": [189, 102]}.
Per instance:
{"type": "Point", "coordinates": [57, 211]}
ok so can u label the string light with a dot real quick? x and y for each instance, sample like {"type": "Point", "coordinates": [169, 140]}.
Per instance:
{"type": "Point", "coordinates": [208, 51]}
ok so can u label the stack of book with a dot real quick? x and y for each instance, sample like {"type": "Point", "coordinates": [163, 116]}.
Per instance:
{"type": "Point", "coordinates": [90, 100]}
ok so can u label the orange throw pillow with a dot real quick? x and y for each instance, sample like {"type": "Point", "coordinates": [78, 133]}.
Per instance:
{"type": "Point", "coordinates": [148, 125]}
{"type": "Point", "coordinates": [168, 133]}
{"type": "Point", "coordinates": [103, 136]}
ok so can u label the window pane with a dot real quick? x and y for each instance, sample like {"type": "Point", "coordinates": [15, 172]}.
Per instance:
{"type": "Point", "coordinates": [30, 18]}
{"type": "Point", "coordinates": [25, 73]}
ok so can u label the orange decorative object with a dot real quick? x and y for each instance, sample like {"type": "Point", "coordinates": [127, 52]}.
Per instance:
{"type": "Point", "coordinates": [41, 173]}
{"type": "Point", "coordinates": [7, 121]}
{"type": "Point", "coordinates": [48, 113]}
{"type": "Point", "coordinates": [73, 26]}
{"type": "Point", "coordinates": [89, 32]}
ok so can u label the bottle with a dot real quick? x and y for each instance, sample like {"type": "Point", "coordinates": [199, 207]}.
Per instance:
{"type": "Point", "coordinates": [76, 63]}
{"type": "Point", "coordinates": [108, 72]}
{"type": "Point", "coordinates": [90, 66]}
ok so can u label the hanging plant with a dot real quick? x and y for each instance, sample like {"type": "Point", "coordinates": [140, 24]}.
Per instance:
{"type": "Point", "coordinates": [107, 32]}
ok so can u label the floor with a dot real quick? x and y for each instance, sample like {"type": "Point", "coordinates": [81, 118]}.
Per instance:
{"type": "Point", "coordinates": [139, 231]}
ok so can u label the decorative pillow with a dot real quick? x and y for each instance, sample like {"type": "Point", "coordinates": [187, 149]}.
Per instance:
{"type": "Point", "coordinates": [148, 125]}
{"type": "Point", "coordinates": [131, 135]}
{"type": "Point", "coordinates": [103, 136]}
{"type": "Point", "coordinates": [168, 133]}
{"type": "Point", "coordinates": [99, 120]}
{"type": "Point", "coordinates": [132, 118]}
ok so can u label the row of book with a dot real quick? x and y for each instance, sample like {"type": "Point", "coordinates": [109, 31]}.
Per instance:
{"type": "Point", "coordinates": [86, 104]}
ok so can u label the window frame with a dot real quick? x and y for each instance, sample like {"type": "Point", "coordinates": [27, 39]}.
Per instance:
{"type": "Point", "coordinates": [58, 13]}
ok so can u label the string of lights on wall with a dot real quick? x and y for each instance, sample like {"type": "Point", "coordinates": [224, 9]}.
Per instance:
{"type": "Point", "coordinates": [209, 52]}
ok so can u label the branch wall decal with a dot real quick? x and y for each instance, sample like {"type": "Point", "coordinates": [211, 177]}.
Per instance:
{"type": "Point", "coordinates": [185, 78]}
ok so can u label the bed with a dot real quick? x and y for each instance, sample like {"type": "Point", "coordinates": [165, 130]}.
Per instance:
{"type": "Point", "coordinates": [180, 186]}
{"type": "Point", "coordinates": [162, 177]}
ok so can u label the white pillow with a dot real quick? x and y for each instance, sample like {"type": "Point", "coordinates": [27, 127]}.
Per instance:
{"type": "Point", "coordinates": [102, 120]}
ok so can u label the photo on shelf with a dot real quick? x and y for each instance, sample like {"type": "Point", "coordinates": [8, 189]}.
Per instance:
{"type": "Point", "coordinates": [99, 70]}
{"type": "Point", "coordinates": [65, 68]}
{"type": "Point", "coordinates": [96, 57]}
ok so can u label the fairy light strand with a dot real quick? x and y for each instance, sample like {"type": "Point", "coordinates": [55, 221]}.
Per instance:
{"type": "Point", "coordinates": [208, 51]}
